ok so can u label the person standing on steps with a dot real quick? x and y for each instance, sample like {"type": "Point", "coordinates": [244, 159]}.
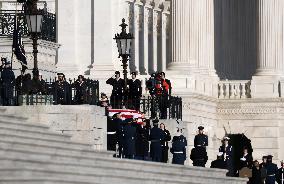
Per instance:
{"type": "Point", "coordinates": [179, 148]}
{"type": "Point", "coordinates": [165, 145]}
{"type": "Point", "coordinates": [156, 137]}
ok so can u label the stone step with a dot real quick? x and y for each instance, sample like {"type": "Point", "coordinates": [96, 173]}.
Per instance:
{"type": "Point", "coordinates": [98, 175]}
{"type": "Point", "coordinates": [51, 149]}
{"type": "Point", "coordinates": [114, 163]}
{"type": "Point", "coordinates": [34, 134]}
{"type": "Point", "coordinates": [22, 125]}
{"type": "Point", "coordinates": [56, 165]}
{"type": "Point", "coordinates": [41, 141]}
{"type": "Point", "coordinates": [12, 116]}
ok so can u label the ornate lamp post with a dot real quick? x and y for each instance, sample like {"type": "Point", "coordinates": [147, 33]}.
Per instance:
{"type": "Point", "coordinates": [124, 41]}
{"type": "Point", "coordinates": [34, 21]}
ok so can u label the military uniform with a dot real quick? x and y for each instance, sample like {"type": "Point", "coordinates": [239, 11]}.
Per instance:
{"type": "Point", "coordinates": [117, 92]}
{"type": "Point", "coordinates": [179, 149]}
{"type": "Point", "coordinates": [134, 93]}
{"type": "Point", "coordinates": [218, 164]}
{"type": "Point", "coordinates": [165, 146]}
{"type": "Point", "coordinates": [156, 136]}
{"type": "Point", "coordinates": [7, 86]}
{"type": "Point", "coordinates": [129, 140]}
{"type": "Point", "coordinates": [228, 158]}
{"type": "Point", "coordinates": [142, 142]}
{"type": "Point", "coordinates": [272, 170]}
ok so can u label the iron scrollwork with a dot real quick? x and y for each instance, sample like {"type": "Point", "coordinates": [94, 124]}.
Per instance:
{"type": "Point", "coordinates": [7, 23]}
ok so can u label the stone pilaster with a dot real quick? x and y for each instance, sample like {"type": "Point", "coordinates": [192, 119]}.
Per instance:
{"type": "Point", "coordinates": [270, 49]}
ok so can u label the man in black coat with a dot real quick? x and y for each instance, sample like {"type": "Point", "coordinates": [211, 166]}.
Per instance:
{"type": "Point", "coordinates": [7, 83]}
{"type": "Point", "coordinates": [156, 137]}
{"type": "Point", "coordinates": [179, 148]}
{"type": "Point", "coordinates": [142, 141]}
{"type": "Point", "coordinates": [135, 92]}
{"type": "Point", "coordinates": [81, 90]}
{"type": "Point", "coordinates": [199, 153]}
{"type": "Point", "coordinates": [62, 90]}
{"type": "Point", "coordinates": [129, 139]}
{"type": "Point", "coordinates": [117, 90]}
{"type": "Point", "coordinates": [165, 145]}
{"type": "Point", "coordinates": [271, 171]}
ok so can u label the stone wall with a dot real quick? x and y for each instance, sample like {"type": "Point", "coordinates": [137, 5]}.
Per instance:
{"type": "Point", "coordinates": [86, 124]}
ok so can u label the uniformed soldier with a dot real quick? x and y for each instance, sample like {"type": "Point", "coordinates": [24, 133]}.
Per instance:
{"type": "Point", "coordinates": [271, 171]}
{"type": "Point", "coordinates": [156, 137]}
{"type": "Point", "coordinates": [280, 174]}
{"type": "Point", "coordinates": [198, 153]}
{"type": "Point", "coordinates": [129, 139]}
{"type": "Point", "coordinates": [118, 123]}
{"type": "Point", "coordinates": [135, 92]}
{"type": "Point", "coordinates": [219, 163]}
{"type": "Point", "coordinates": [165, 145]}
{"type": "Point", "coordinates": [142, 141]}
{"type": "Point", "coordinates": [62, 90]}
{"type": "Point", "coordinates": [201, 140]}
{"type": "Point", "coordinates": [227, 151]}
{"type": "Point", "coordinates": [7, 83]}
{"type": "Point", "coordinates": [179, 148]}
{"type": "Point", "coordinates": [117, 90]}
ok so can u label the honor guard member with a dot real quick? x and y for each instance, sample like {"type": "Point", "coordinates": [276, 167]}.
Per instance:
{"type": "Point", "coordinates": [201, 140]}
{"type": "Point", "coordinates": [135, 92]}
{"type": "Point", "coordinates": [81, 90]}
{"type": "Point", "coordinates": [117, 90]}
{"type": "Point", "coordinates": [129, 138]}
{"type": "Point", "coordinates": [227, 151]}
{"type": "Point", "coordinates": [142, 141]}
{"type": "Point", "coordinates": [199, 153]}
{"type": "Point", "coordinates": [156, 137]}
{"type": "Point", "coordinates": [179, 148]}
{"type": "Point", "coordinates": [7, 82]}
{"type": "Point", "coordinates": [280, 174]}
{"type": "Point", "coordinates": [62, 90]}
{"type": "Point", "coordinates": [165, 145]}
{"type": "Point", "coordinates": [271, 171]}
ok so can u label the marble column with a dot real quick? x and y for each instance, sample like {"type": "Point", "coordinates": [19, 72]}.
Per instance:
{"type": "Point", "coordinates": [156, 12]}
{"type": "Point", "coordinates": [270, 49]}
{"type": "Point", "coordinates": [270, 38]}
{"type": "Point", "coordinates": [136, 29]}
{"type": "Point", "coordinates": [147, 9]}
{"type": "Point", "coordinates": [165, 24]}
{"type": "Point", "coordinates": [193, 36]}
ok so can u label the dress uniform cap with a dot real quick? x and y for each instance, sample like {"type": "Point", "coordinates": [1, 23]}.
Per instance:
{"type": "Point", "coordinates": [220, 154]}
{"type": "Point", "coordinates": [226, 138]}
{"type": "Point", "coordinates": [269, 156]}
{"type": "Point", "coordinates": [264, 157]}
{"type": "Point", "coordinates": [60, 74]}
{"type": "Point", "coordinates": [155, 121]}
{"type": "Point", "coordinates": [200, 128]}
{"type": "Point", "coordinates": [133, 73]}
{"type": "Point", "coordinates": [117, 72]}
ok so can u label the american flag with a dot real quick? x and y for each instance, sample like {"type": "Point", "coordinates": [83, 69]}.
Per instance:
{"type": "Point", "coordinates": [127, 113]}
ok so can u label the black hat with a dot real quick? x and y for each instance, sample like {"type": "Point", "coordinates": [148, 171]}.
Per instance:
{"type": "Point", "coordinates": [133, 73]}
{"type": "Point", "coordinates": [60, 74]}
{"type": "Point", "coordinates": [155, 122]}
{"type": "Point", "coordinates": [269, 156]}
{"type": "Point", "coordinates": [117, 72]}
{"type": "Point", "coordinates": [264, 157]}
{"type": "Point", "coordinates": [200, 128]}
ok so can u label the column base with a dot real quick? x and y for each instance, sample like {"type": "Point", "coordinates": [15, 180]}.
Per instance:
{"type": "Point", "coordinates": [265, 86]}
{"type": "Point", "coordinates": [181, 67]}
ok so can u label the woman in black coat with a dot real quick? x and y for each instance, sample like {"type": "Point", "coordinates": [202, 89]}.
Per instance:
{"type": "Point", "coordinates": [256, 174]}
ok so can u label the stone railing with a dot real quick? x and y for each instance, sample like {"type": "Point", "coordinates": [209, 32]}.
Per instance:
{"type": "Point", "coordinates": [149, 21]}
{"type": "Point", "coordinates": [234, 89]}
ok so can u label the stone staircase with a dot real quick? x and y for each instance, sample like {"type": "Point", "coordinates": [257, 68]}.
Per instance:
{"type": "Point", "coordinates": [32, 154]}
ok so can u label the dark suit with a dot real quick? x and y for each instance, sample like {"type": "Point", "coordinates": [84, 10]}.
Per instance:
{"type": "Point", "coordinates": [129, 141]}
{"type": "Point", "coordinates": [165, 146]}
{"type": "Point", "coordinates": [134, 94]}
{"type": "Point", "coordinates": [142, 142]}
{"type": "Point", "coordinates": [117, 92]}
{"type": "Point", "coordinates": [156, 136]}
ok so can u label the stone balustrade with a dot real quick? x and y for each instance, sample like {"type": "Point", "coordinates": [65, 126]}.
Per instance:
{"type": "Point", "coordinates": [239, 89]}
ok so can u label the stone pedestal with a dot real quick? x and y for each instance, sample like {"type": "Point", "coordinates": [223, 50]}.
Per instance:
{"type": "Point", "coordinates": [265, 87]}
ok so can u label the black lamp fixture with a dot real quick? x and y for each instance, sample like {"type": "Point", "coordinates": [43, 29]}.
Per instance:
{"type": "Point", "coordinates": [34, 19]}
{"type": "Point", "coordinates": [124, 41]}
